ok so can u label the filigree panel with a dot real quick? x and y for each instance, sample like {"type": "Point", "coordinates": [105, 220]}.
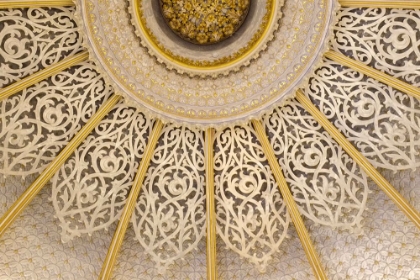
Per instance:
{"type": "Point", "coordinates": [251, 217]}
{"type": "Point", "coordinates": [90, 189]}
{"type": "Point", "coordinates": [383, 123]}
{"type": "Point", "coordinates": [386, 39]}
{"type": "Point", "coordinates": [328, 186]}
{"type": "Point", "coordinates": [169, 220]}
{"type": "Point", "coordinates": [32, 39]}
{"type": "Point", "coordinates": [38, 122]}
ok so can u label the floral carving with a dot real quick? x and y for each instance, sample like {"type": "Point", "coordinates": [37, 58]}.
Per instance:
{"type": "Point", "coordinates": [169, 219]}
{"type": "Point", "coordinates": [251, 217]}
{"type": "Point", "coordinates": [38, 122]}
{"type": "Point", "coordinates": [90, 189]}
{"type": "Point", "coordinates": [328, 186]}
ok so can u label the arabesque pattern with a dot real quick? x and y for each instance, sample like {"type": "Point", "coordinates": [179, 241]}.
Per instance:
{"type": "Point", "coordinates": [386, 39]}
{"type": "Point", "coordinates": [252, 220]}
{"type": "Point", "coordinates": [32, 39]}
{"type": "Point", "coordinates": [328, 186]}
{"type": "Point", "coordinates": [382, 122]}
{"type": "Point", "coordinates": [169, 219]}
{"type": "Point", "coordinates": [251, 217]}
{"type": "Point", "coordinates": [38, 122]}
{"type": "Point", "coordinates": [90, 190]}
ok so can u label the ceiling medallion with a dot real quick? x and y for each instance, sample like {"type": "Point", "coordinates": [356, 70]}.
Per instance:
{"type": "Point", "coordinates": [225, 83]}
{"type": "Point", "coordinates": [204, 22]}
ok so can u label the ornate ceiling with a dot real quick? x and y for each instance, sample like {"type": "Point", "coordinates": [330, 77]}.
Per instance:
{"type": "Point", "coordinates": [101, 122]}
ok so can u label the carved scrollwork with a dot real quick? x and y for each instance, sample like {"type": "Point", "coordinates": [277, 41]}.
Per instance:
{"type": "Point", "coordinates": [382, 122]}
{"type": "Point", "coordinates": [169, 219]}
{"type": "Point", "coordinates": [90, 189]}
{"type": "Point", "coordinates": [386, 39]}
{"type": "Point", "coordinates": [38, 122]}
{"type": "Point", "coordinates": [32, 39]}
{"type": "Point", "coordinates": [251, 217]}
{"type": "Point", "coordinates": [328, 186]}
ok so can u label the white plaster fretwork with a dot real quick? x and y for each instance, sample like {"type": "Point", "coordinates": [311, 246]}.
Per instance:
{"type": "Point", "coordinates": [386, 39]}
{"type": "Point", "coordinates": [91, 188]}
{"type": "Point", "coordinates": [381, 122]}
{"type": "Point", "coordinates": [169, 219]}
{"type": "Point", "coordinates": [38, 122]}
{"type": "Point", "coordinates": [251, 217]}
{"type": "Point", "coordinates": [328, 186]}
{"type": "Point", "coordinates": [35, 38]}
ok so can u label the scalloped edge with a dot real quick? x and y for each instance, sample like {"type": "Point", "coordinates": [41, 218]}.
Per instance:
{"type": "Point", "coordinates": [243, 120]}
{"type": "Point", "coordinates": [245, 63]}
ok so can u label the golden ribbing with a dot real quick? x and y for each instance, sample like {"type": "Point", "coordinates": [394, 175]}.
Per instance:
{"type": "Point", "coordinates": [290, 202]}
{"type": "Point", "coordinates": [380, 4]}
{"type": "Point", "coordinates": [360, 159]}
{"type": "Point", "coordinates": [20, 204]}
{"type": "Point", "coordinates": [210, 209]}
{"type": "Point", "coordinates": [130, 204]}
{"type": "Point", "coordinates": [43, 74]}
{"type": "Point", "coordinates": [371, 72]}
{"type": "Point", "coordinates": [35, 3]}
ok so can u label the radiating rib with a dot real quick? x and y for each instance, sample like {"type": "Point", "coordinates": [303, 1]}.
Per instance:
{"type": "Point", "coordinates": [290, 203]}
{"type": "Point", "coordinates": [373, 73]}
{"type": "Point", "coordinates": [20, 204]}
{"type": "Point", "coordinates": [4, 4]}
{"type": "Point", "coordinates": [210, 209]}
{"type": "Point", "coordinates": [119, 234]}
{"type": "Point", "coordinates": [401, 202]}
{"type": "Point", "coordinates": [43, 74]}
{"type": "Point", "coordinates": [380, 4]}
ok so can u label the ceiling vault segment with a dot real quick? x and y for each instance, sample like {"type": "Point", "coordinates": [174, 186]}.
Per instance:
{"type": "Point", "coordinates": [210, 207]}
{"type": "Point", "coordinates": [43, 74]}
{"type": "Point", "coordinates": [130, 204]}
{"type": "Point", "coordinates": [389, 190]}
{"type": "Point", "coordinates": [35, 3]}
{"type": "Point", "coordinates": [301, 230]}
{"type": "Point", "coordinates": [373, 73]}
{"type": "Point", "coordinates": [380, 4]}
{"type": "Point", "coordinates": [19, 205]}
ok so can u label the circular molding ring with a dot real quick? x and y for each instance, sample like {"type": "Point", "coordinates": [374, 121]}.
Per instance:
{"type": "Point", "coordinates": [288, 61]}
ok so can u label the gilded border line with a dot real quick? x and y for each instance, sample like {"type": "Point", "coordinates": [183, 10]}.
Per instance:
{"type": "Point", "coordinates": [390, 191]}
{"type": "Point", "coordinates": [380, 4]}
{"type": "Point", "coordinates": [311, 254]}
{"type": "Point", "coordinates": [30, 193]}
{"type": "Point", "coordinates": [128, 210]}
{"type": "Point", "coordinates": [4, 4]}
{"type": "Point", "coordinates": [373, 73]}
{"type": "Point", "coordinates": [210, 207]}
{"type": "Point", "coordinates": [43, 74]}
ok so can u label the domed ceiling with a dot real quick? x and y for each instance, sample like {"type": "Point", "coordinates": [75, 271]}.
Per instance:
{"type": "Point", "coordinates": [224, 139]}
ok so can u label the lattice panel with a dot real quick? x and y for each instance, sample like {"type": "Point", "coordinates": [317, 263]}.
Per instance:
{"type": "Point", "coordinates": [90, 189]}
{"type": "Point", "coordinates": [326, 183]}
{"type": "Point", "coordinates": [169, 218]}
{"type": "Point", "coordinates": [386, 39]}
{"type": "Point", "coordinates": [251, 217]}
{"type": "Point", "coordinates": [383, 123]}
{"type": "Point", "coordinates": [34, 38]}
{"type": "Point", "coordinates": [38, 122]}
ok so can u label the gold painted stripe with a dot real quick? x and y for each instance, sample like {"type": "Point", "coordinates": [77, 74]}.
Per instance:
{"type": "Point", "coordinates": [129, 207]}
{"type": "Point", "coordinates": [23, 201]}
{"type": "Point", "coordinates": [43, 74]}
{"type": "Point", "coordinates": [35, 3]}
{"type": "Point", "coordinates": [290, 202]}
{"type": "Point", "coordinates": [376, 74]}
{"type": "Point", "coordinates": [210, 210]}
{"type": "Point", "coordinates": [381, 4]}
{"type": "Point", "coordinates": [360, 159]}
